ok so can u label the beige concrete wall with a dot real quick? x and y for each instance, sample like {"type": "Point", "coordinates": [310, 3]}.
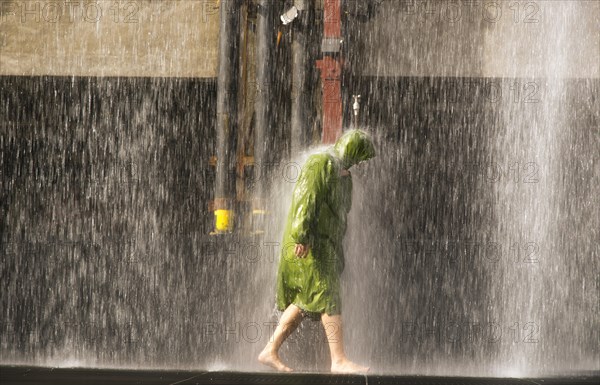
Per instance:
{"type": "Point", "coordinates": [481, 38]}
{"type": "Point", "coordinates": [484, 38]}
{"type": "Point", "coordinates": [109, 38]}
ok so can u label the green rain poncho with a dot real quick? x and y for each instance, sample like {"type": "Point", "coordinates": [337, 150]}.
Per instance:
{"type": "Point", "coordinates": [317, 218]}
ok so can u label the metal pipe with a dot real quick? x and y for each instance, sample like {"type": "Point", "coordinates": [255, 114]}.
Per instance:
{"type": "Point", "coordinates": [299, 110]}
{"type": "Point", "coordinates": [263, 141]}
{"type": "Point", "coordinates": [226, 115]}
{"type": "Point", "coordinates": [331, 71]}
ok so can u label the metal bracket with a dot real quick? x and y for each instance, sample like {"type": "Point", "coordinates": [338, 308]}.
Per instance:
{"type": "Point", "coordinates": [331, 44]}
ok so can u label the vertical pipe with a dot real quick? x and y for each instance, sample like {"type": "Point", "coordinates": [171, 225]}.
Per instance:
{"type": "Point", "coordinates": [226, 115]}
{"type": "Point", "coordinates": [331, 70]}
{"type": "Point", "coordinates": [299, 119]}
{"type": "Point", "coordinates": [263, 139]}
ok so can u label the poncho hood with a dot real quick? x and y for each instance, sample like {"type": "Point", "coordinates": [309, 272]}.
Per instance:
{"type": "Point", "coordinates": [353, 147]}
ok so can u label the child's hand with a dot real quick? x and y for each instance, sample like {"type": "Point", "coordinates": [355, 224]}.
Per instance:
{"type": "Point", "coordinates": [301, 251]}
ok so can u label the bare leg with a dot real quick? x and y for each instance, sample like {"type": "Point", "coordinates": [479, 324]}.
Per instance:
{"type": "Point", "coordinates": [289, 322]}
{"type": "Point", "coordinates": [339, 362]}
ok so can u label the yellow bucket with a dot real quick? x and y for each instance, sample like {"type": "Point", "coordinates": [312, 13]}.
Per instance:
{"type": "Point", "coordinates": [224, 220]}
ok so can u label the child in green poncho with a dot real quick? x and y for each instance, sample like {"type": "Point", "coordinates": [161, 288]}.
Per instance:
{"type": "Point", "coordinates": [312, 258]}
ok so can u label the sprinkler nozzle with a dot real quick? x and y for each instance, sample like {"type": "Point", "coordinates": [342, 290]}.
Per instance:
{"type": "Point", "coordinates": [356, 104]}
{"type": "Point", "coordinates": [289, 15]}
{"type": "Point", "coordinates": [292, 13]}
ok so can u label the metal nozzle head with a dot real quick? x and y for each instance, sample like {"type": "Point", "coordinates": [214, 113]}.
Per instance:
{"type": "Point", "coordinates": [289, 15]}
{"type": "Point", "coordinates": [356, 104]}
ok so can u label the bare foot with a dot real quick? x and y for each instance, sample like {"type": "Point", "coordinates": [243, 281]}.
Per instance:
{"type": "Point", "coordinates": [272, 359]}
{"type": "Point", "coordinates": [348, 367]}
